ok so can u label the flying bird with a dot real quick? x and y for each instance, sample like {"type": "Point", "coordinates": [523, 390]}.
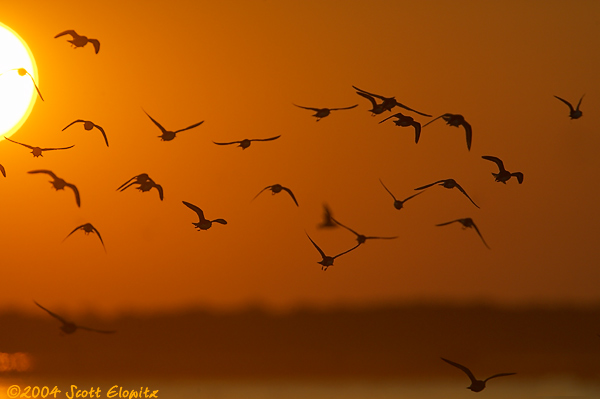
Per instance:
{"type": "Point", "coordinates": [89, 125]}
{"type": "Point", "coordinates": [69, 327]}
{"type": "Point", "coordinates": [23, 72]}
{"type": "Point", "coordinates": [276, 188]}
{"type": "Point", "coordinates": [246, 142]}
{"type": "Point", "coordinates": [405, 121]}
{"type": "Point", "coordinates": [387, 102]}
{"type": "Point", "coordinates": [467, 223]}
{"type": "Point", "coordinates": [145, 184]}
{"type": "Point", "coordinates": [327, 219]}
{"type": "Point", "coordinates": [37, 151]}
{"type": "Point", "coordinates": [573, 113]}
{"type": "Point", "coordinates": [503, 175]}
{"type": "Point", "coordinates": [87, 228]}
{"type": "Point", "coordinates": [376, 109]}
{"type": "Point", "coordinates": [476, 385]}
{"type": "Point", "coordinates": [58, 183]}
{"type": "Point", "coordinates": [203, 223]}
{"type": "Point", "coordinates": [457, 120]}
{"type": "Point", "coordinates": [323, 112]}
{"type": "Point", "coordinates": [397, 203]}
{"type": "Point", "coordinates": [360, 237]}
{"type": "Point", "coordinates": [328, 260]}
{"type": "Point", "coordinates": [79, 41]}
{"type": "Point", "coordinates": [168, 135]}
{"type": "Point", "coordinates": [449, 183]}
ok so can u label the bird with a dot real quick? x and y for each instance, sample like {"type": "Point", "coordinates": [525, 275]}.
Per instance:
{"type": "Point", "coordinates": [89, 125]}
{"type": "Point", "coordinates": [87, 228]}
{"type": "Point", "coordinates": [276, 188]}
{"type": "Point", "coordinates": [80, 41]}
{"type": "Point", "coordinates": [467, 223]}
{"type": "Point", "coordinates": [388, 102]}
{"type": "Point", "coordinates": [457, 120]}
{"type": "Point", "coordinates": [503, 175]}
{"type": "Point", "coordinates": [168, 135]}
{"type": "Point", "coordinates": [145, 184]}
{"type": "Point", "coordinates": [59, 184]}
{"type": "Point", "coordinates": [23, 72]}
{"type": "Point", "coordinates": [397, 203]}
{"type": "Point", "coordinates": [327, 219]}
{"type": "Point", "coordinates": [476, 385]}
{"type": "Point", "coordinates": [328, 260]}
{"type": "Point", "coordinates": [246, 142]}
{"type": "Point", "coordinates": [405, 121]}
{"type": "Point", "coordinates": [203, 223]}
{"type": "Point", "coordinates": [323, 112]}
{"type": "Point", "coordinates": [3, 170]}
{"type": "Point", "coordinates": [69, 327]}
{"type": "Point", "coordinates": [37, 151]}
{"type": "Point", "coordinates": [360, 237]}
{"type": "Point", "coordinates": [449, 183]}
{"type": "Point", "coordinates": [573, 113]}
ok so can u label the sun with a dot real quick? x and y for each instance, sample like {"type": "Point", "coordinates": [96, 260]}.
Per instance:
{"type": "Point", "coordinates": [18, 71]}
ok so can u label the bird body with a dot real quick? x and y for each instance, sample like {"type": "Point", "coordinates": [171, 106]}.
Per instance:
{"type": "Point", "coordinates": [80, 41]}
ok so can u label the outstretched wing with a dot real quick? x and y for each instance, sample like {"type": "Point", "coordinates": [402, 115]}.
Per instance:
{"type": "Point", "coordinates": [96, 44]}
{"type": "Point", "coordinates": [16, 142]}
{"type": "Point", "coordinates": [462, 190]}
{"type": "Point", "coordinates": [269, 139]}
{"type": "Point", "coordinates": [189, 127]}
{"type": "Point", "coordinates": [36, 86]}
{"type": "Point", "coordinates": [386, 189]}
{"type": "Point", "coordinates": [95, 230]}
{"type": "Point", "coordinates": [498, 375]}
{"type": "Point", "coordinates": [496, 160]}
{"type": "Point", "coordinates": [260, 192]}
{"type": "Point", "coordinates": [368, 97]}
{"type": "Point", "coordinates": [232, 142]}
{"type": "Point", "coordinates": [578, 104]}
{"type": "Point", "coordinates": [312, 109]}
{"type": "Point", "coordinates": [337, 109]}
{"type": "Point", "coordinates": [345, 252]}
{"type": "Point", "coordinates": [568, 103]}
{"type": "Point", "coordinates": [98, 331]}
{"type": "Point", "coordinates": [398, 115]}
{"type": "Point", "coordinates": [103, 133]}
{"type": "Point", "coordinates": [412, 196]}
{"type": "Point", "coordinates": [434, 119]}
{"type": "Point", "coordinates": [366, 92]}
{"type": "Point", "coordinates": [67, 32]}
{"type": "Point", "coordinates": [195, 209]}
{"type": "Point", "coordinates": [291, 194]}
{"type": "Point", "coordinates": [446, 223]}
{"type": "Point", "coordinates": [72, 123]}
{"type": "Point", "coordinates": [52, 313]}
{"type": "Point", "coordinates": [48, 172]}
{"type": "Point", "coordinates": [463, 368]}
{"type": "Point", "coordinates": [160, 191]}
{"type": "Point", "coordinates": [479, 233]}
{"type": "Point", "coordinates": [63, 148]}
{"type": "Point", "coordinates": [410, 109]}
{"type": "Point", "coordinates": [125, 185]}
{"type": "Point", "coordinates": [316, 246]}
{"type": "Point", "coordinates": [162, 129]}
{"type": "Point", "coordinates": [222, 221]}
{"type": "Point", "coordinates": [74, 230]}
{"type": "Point", "coordinates": [77, 198]}
{"type": "Point", "coordinates": [346, 227]}
{"type": "Point", "coordinates": [469, 133]}
{"type": "Point", "coordinates": [519, 176]}
{"type": "Point", "coordinates": [429, 185]}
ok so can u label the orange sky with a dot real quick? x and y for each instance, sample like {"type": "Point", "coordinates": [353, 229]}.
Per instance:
{"type": "Point", "coordinates": [239, 66]}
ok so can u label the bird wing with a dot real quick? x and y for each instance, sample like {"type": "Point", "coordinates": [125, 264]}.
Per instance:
{"type": "Point", "coordinates": [462, 190]}
{"type": "Point", "coordinates": [380, 238]}
{"type": "Point", "coordinates": [98, 331]}
{"type": "Point", "coordinates": [568, 103]}
{"type": "Point", "coordinates": [96, 44]}
{"type": "Point", "coordinates": [222, 221]}
{"type": "Point", "coordinates": [162, 129]}
{"type": "Point", "coordinates": [446, 223]}
{"type": "Point", "coordinates": [3, 170]}
{"type": "Point", "coordinates": [498, 375]}
{"type": "Point", "coordinates": [434, 119]}
{"type": "Point", "coordinates": [368, 97]}
{"type": "Point", "coordinates": [103, 133]}
{"type": "Point", "coordinates": [160, 191]}
{"type": "Point", "coordinates": [496, 160]}
{"type": "Point", "coordinates": [386, 189]}
{"type": "Point", "coordinates": [52, 313]}
{"type": "Point", "coordinates": [312, 109]}
{"type": "Point", "coordinates": [463, 368]}
{"type": "Point", "coordinates": [519, 176]}
{"type": "Point", "coordinates": [195, 209]}
{"type": "Point", "coordinates": [24, 145]}
{"type": "Point", "coordinates": [370, 94]}
{"type": "Point", "coordinates": [260, 192]}
{"type": "Point", "coordinates": [469, 133]}
{"type": "Point", "coordinates": [48, 172]}
{"type": "Point", "coordinates": [232, 142]}
{"type": "Point", "coordinates": [63, 148]}
{"type": "Point", "coordinates": [122, 186]}
{"type": "Point", "coordinates": [393, 116]}
{"type": "Point", "coordinates": [77, 121]}
{"type": "Point", "coordinates": [269, 139]}
{"type": "Point", "coordinates": [189, 127]}
{"type": "Point", "coordinates": [478, 232]}
{"type": "Point", "coordinates": [417, 127]}
{"type": "Point", "coordinates": [67, 32]}
{"type": "Point", "coordinates": [337, 109]}
{"type": "Point", "coordinates": [74, 230]}
{"type": "Point", "coordinates": [327, 219]}
{"type": "Point", "coordinates": [291, 194]}
{"type": "Point", "coordinates": [414, 195]}
{"type": "Point", "coordinates": [38, 89]}
{"type": "Point", "coordinates": [316, 246]}
{"type": "Point", "coordinates": [578, 104]}
{"type": "Point", "coordinates": [345, 252]}
{"type": "Point", "coordinates": [429, 185]}
{"type": "Point", "coordinates": [99, 236]}
{"type": "Point", "coordinates": [410, 109]}
{"type": "Point", "coordinates": [346, 227]}
{"type": "Point", "coordinates": [77, 198]}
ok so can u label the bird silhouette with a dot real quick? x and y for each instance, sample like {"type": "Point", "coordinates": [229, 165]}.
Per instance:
{"type": "Point", "coordinates": [449, 183]}
{"type": "Point", "coordinates": [276, 188]}
{"type": "Point", "coordinates": [3, 170]}
{"type": "Point", "coordinates": [145, 184]}
{"type": "Point", "coordinates": [323, 112]}
{"type": "Point", "coordinates": [503, 175]}
{"type": "Point", "coordinates": [87, 228]}
{"type": "Point", "coordinates": [37, 151]}
{"type": "Point", "coordinates": [89, 125]}
{"type": "Point", "coordinates": [360, 237]}
{"type": "Point", "coordinates": [376, 108]}
{"type": "Point", "coordinates": [246, 142]}
{"type": "Point", "coordinates": [79, 41]}
{"type": "Point", "coordinates": [69, 327]}
{"type": "Point", "coordinates": [457, 120]}
{"type": "Point", "coordinates": [397, 203]}
{"type": "Point", "coordinates": [59, 184]}
{"type": "Point", "coordinates": [476, 385]}
{"type": "Point", "coordinates": [168, 135]}
{"type": "Point", "coordinates": [203, 223]}
{"type": "Point", "coordinates": [387, 102]}
{"type": "Point", "coordinates": [573, 113]}
{"type": "Point", "coordinates": [467, 223]}
{"type": "Point", "coordinates": [327, 219]}
{"type": "Point", "coordinates": [405, 121]}
{"type": "Point", "coordinates": [328, 260]}
{"type": "Point", "coordinates": [23, 72]}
